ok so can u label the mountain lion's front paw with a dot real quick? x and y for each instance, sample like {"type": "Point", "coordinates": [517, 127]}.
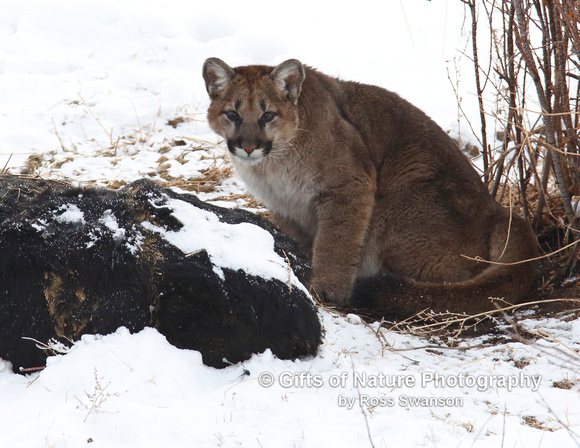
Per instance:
{"type": "Point", "coordinates": [331, 293]}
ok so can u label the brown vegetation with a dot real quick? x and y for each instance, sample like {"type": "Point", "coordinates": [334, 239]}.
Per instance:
{"type": "Point", "coordinates": [533, 162]}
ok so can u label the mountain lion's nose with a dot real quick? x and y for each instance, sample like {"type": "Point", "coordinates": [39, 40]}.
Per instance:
{"type": "Point", "coordinates": [248, 148]}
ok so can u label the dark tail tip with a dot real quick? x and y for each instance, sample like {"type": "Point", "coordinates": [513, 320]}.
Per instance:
{"type": "Point", "coordinates": [367, 290]}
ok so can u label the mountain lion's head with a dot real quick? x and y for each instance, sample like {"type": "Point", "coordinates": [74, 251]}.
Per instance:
{"type": "Point", "coordinates": [254, 108]}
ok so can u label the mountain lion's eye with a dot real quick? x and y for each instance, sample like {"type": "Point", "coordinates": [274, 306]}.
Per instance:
{"type": "Point", "coordinates": [268, 117]}
{"type": "Point", "coordinates": [233, 116]}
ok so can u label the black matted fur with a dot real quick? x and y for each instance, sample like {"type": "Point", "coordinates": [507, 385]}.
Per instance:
{"type": "Point", "coordinates": [62, 276]}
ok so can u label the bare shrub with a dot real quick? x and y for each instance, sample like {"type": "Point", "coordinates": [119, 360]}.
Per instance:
{"type": "Point", "coordinates": [528, 89]}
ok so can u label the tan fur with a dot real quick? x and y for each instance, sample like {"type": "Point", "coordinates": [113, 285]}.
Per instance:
{"type": "Point", "coordinates": [372, 186]}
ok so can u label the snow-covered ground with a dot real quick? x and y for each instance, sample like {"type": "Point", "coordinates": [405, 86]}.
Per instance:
{"type": "Point", "coordinates": [109, 91]}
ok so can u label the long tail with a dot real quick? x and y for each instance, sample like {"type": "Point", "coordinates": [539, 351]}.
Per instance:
{"type": "Point", "coordinates": [497, 284]}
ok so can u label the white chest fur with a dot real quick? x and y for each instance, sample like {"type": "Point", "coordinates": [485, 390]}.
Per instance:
{"type": "Point", "coordinates": [283, 188]}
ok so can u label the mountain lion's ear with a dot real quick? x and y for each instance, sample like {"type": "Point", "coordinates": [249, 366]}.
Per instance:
{"type": "Point", "coordinates": [217, 75]}
{"type": "Point", "coordinates": [288, 76]}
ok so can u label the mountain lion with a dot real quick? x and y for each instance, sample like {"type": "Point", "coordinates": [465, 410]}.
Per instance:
{"type": "Point", "coordinates": [381, 195]}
